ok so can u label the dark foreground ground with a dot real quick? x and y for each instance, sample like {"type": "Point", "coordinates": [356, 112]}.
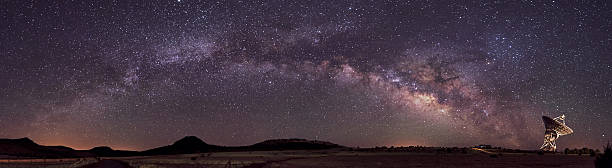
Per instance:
{"type": "Point", "coordinates": [329, 158]}
{"type": "Point", "coordinates": [107, 163]}
{"type": "Point", "coordinates": [441, 161]}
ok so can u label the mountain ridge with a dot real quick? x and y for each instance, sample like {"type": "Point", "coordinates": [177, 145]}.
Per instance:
{"type": "Point", "coordinates": [25, 147]}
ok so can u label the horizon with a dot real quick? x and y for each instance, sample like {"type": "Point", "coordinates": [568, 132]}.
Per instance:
{"type": "Point", "coordinates": [170, 143]}
{"type": "Point", "coordinates": [137, 75]}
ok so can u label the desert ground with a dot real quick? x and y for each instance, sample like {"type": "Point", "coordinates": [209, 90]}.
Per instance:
{"type": "Point", "coordinates": [318, 158]}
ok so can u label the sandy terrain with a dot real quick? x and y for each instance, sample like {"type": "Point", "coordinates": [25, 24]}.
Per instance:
{"type": "Point", "coordinates": [273, 159]}
{"type": "Point", "coordinates": [450, 160]}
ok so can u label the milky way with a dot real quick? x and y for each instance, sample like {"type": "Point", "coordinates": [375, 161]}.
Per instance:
{"type": "Point", "coordinates": [357, 73]}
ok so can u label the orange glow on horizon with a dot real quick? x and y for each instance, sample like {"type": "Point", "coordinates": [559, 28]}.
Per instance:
{"type": "Point", "coordinates": [409, 143]}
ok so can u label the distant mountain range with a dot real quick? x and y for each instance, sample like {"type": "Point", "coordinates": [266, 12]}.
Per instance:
{"type": "Point", "coordinates": [24, 147]}
{"type": "Point", "coordinates": [292, 144]}
{"type": "Point", "coordinates": [189, 144]}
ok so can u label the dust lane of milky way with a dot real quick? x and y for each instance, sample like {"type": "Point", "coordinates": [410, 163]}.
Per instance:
{"type": "Point", "coordinates": [358, 73]}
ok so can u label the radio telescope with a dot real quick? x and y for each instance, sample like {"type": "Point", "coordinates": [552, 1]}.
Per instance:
{"type": "Point", "coordinates": [554, 128]}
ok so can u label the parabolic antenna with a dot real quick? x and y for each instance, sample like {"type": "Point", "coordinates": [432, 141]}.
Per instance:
{"type": "Point", "coordinates": [561, 128]}
{"type": "Point", "coordinates": [554, 128]}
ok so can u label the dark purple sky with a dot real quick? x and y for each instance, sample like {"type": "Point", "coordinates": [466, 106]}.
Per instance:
{"type": "Point", "coordinates": [136, 75]}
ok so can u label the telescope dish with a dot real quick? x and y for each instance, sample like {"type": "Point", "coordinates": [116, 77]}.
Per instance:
{"type": "Point", "coordinates": [554, 128]}
{"type": "Point", "coordinates": [557, 126]}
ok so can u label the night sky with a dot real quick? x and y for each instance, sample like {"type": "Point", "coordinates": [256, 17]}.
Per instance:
{"type": "Point", "coordinates": [137, 75]}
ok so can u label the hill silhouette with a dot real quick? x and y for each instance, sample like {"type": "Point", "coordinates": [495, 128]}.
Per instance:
{"type": "Point", "coordinates": [188, 144]}
{"type": "Point", "coordinates": [292, 144]}
{"type": "Point", "coordinates": [109, 152]}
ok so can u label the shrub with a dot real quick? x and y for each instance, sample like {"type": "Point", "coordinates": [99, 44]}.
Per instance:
{"type": "Point", "coordinates": [604, 160]}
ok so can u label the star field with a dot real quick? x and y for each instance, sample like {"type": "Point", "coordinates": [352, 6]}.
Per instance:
{"type": "Point", "coordinates": [137, 75]}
